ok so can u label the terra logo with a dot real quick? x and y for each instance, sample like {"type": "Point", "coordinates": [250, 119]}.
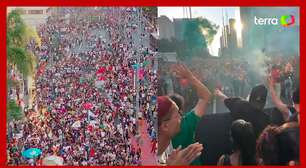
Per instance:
{"type": "Point", "coordinates": [285, 20]}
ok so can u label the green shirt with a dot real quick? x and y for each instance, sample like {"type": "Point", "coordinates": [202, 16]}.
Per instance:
{"type": "Point", "coordinates": [186, 136]}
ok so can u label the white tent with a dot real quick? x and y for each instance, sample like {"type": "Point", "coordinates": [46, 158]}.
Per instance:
{"type": "Point", "coordinates": [53, 160]}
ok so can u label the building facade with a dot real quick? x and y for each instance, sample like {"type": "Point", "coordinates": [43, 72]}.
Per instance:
{"type": "Point", "coordinates": [33, 16]}
{"type": "Point", "coordinates": [166, 28]}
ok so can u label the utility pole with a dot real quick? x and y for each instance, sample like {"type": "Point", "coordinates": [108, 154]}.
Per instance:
{"type": "Point", "coordinates": [138, 60]}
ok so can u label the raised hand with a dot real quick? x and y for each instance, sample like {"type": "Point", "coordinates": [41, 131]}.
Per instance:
{"type": "Point", "coordinates": [220, 94]}
{"type": "Point", "coordinates": [181, 71]}
{"type": "Point", "coordinates": [270, 82]}
{"type": "Point", "coordinates": [185, 156]}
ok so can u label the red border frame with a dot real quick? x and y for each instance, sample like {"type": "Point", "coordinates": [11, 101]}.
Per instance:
{"type": "Point", "coordinates": [5, 3]}
{"type": "Point", "coordinates": [151, 3]}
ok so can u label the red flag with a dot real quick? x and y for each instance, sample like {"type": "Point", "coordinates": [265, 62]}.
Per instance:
{"type": "Point", "coordinates": [141, 73]}
{"type": "Point", "coordinates": [42, 68]}
{"type": "Point", "coordinates": [90, 128]}
{"type": "Point", "coordinates": [92, 152]}
{"type": "Point", "coordinates": [101, 70]}
{"type": "Point", "coordinates": [102, 78]}
{"type": "Point", "coordinates": [87, 106]}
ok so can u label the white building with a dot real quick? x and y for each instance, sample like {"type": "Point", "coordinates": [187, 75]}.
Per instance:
{"type": "Point", "coordinates": [166, 28]}
{"type": "Point", "coordinates": [33, 16]}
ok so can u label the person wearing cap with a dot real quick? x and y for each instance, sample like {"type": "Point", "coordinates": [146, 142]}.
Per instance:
{"type": "Point", "coordinates": [169, 121]}
{"type": "Point", "coordinates": [251, 110]}
{"type": "Point", "coordinates": [290, 114]}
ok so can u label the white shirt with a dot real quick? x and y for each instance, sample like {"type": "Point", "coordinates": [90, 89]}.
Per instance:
{"type": "Point", "coordinates": [162, 159]}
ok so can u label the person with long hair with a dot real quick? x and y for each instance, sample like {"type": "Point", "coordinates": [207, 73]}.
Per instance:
{"type": "Point", "coordinates": [244, 145]}
{"type": "Point", "coordinates": [279, 145]}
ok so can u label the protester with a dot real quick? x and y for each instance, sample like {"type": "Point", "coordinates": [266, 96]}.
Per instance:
{"type": "Point", "coordinates": [250, 111]}
{"type": "Point", "coordinates": [244, 145]}
{"type": "Point", "coordinates": [84, 107]}
{"type": "Point", "coordinates": [169, 120]}
{"type": "Point", "coordinates": [279, 145]}
{"type": "Point", "coordinates": [186, 135]}
{"type": "Point", "coordinates": [289, 113]}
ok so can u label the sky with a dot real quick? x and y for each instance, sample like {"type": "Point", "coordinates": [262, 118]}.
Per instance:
{"type": "Point", "coordinates": [213, 14]}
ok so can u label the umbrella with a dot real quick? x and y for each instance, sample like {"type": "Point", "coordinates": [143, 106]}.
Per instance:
{"type": "Point", "coordinates": [93, 122]}
{"type": "Point", "coordinates": [53, 160]}
{"type": "Point", "coordinates": [17, 136]}
{"type": "Point", "coordinates": [87, 106]}
{"type": "Point", "coordinates": [76, 124]}
{"type": "Point", "coordinates": [31, 153]}
{"type": "Point", "coordinates": [135, 66]}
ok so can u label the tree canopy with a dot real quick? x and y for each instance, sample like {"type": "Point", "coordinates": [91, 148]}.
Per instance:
{"type": "Point", "coordinates": [198, 34]}
{"type": "Point", "coordinates": [18, 36]}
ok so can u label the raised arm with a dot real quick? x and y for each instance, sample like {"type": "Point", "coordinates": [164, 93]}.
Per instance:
{"type": "Point", "coordinates": [220, 94]}
{"type": "Point", "coordinates": [276, 100]}
{"type": "Point", "coordinates": [202, 91]}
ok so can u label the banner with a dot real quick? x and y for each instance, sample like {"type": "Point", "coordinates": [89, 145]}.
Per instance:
{"type": "Point", "coordinates": [141, 73]}
{"type": "Point", "coordinates": [101, 70]}
{"type": "Point", "coordinates": [87, 106]}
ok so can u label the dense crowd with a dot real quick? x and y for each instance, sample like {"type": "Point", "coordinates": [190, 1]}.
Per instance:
{"type": "Point", "coordinates": [249, 134]}
{"type": "Point", "coordinates": [235, 77]}
{"type": "Point", "coordinates": [85, 102]}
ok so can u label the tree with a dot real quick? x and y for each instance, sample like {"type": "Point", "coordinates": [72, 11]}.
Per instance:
{"type": "Point", "coordinates": [150, 11]}
{"type": "Point", "coordinates": [198, 34]}
{"type": "Point", "coordinates": [13, 111]}
{"type": "Point", "coordinates": [18, 36]}
{"type": "Point", "coordinates": [19, 58]}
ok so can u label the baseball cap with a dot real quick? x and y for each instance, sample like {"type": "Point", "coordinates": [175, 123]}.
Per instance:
{"type": "Point", "coordinates": [258, 96]}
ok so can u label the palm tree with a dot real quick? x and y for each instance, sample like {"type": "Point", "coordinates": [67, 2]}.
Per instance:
{"type": "Point", "coordinates": [19, 58]}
